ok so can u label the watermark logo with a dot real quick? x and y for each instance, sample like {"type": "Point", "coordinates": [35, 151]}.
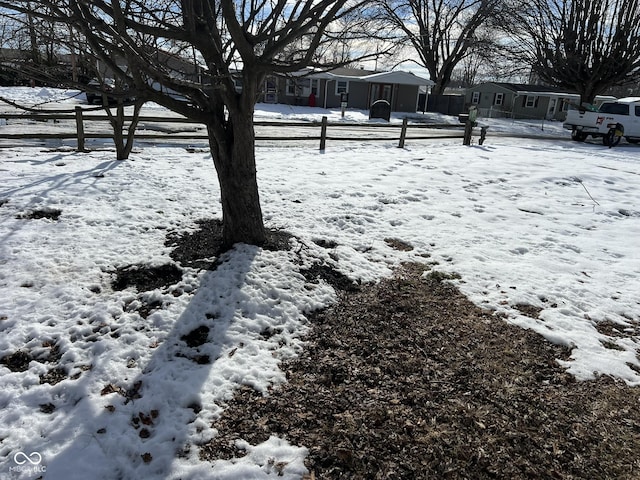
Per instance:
{"type": "Point", "coordinates": [21, 458]}
{"type": "Point", "coordinates": [31, 463]}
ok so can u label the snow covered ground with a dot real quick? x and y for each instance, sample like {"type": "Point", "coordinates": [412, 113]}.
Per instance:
{"type": "Point", "coordinates": [96, 390]}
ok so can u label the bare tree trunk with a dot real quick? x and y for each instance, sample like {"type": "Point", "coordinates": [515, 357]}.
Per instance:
{"type": "Point", "coordinates": [124, 141]}
{"type": "Point", "coordinates": [233, 151]}
{"type": "Point", "coordinates": [588, 92]}
{"type": "Point", "coordinates": [73, 56]}
{"type": "Point", "coordinates": [438, 89]}
{"type": "Point", "coordinates": [33, 39]}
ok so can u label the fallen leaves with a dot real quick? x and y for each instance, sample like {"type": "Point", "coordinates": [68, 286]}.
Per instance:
{"type": "Point", "coordinates": [408, 379]}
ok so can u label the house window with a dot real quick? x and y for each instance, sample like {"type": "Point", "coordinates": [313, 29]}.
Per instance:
{"type": "Point", "coordinates": [499, 99]}
{"type": "Point", "coordinates": [342, 86]}
{"type": "Point", "coordinates": [315, 83]}
{"type": "Point", "coordinates": [291, 87]}
{"type": "Point", "coordinates": [271, 85]}
{"type": "Point", "coordinates": [302, 87]}
{"type": "Point", "coordinates": [530, 102]}
{"type": "Point", "coordinates": [475, 98]}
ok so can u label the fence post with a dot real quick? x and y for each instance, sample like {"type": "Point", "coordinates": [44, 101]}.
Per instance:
{"type": "Point", "coordinates": [483, 135]}
{"type": "Point", "coordinates": [80, 129]}
{"type": "Point", "coordinates": [468, 129]}
{"type": "Point", "coordinates": [403, 133]}
{"type": "Point", "coordinates": [323, 134]}
{"type": "Point", "coordinates": [469, 124]}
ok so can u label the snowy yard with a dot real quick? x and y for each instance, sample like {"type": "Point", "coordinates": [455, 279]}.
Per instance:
{"type": "Point", "coordinates": [101, 382]}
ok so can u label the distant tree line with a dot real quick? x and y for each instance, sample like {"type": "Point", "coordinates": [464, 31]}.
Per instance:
{"type": "Point", "coordinates": [586, 46]}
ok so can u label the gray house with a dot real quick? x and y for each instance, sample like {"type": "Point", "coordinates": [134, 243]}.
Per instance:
{"type": "Point", "coordinates": [522, 101]}
{"type": "Point", "coordinates": [360, 87]}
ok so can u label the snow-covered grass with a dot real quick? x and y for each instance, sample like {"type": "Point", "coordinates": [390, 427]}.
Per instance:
{"type": "Point", "coordinates": [552, 224]}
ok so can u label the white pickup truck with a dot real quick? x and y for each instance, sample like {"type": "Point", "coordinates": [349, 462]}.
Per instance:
{"type": "Point", "coordinates": [612, 121]}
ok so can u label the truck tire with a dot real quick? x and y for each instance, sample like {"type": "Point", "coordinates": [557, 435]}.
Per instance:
{"type": "Point", "coordinates": [578, 136]}
{"type": "Point", "coordinates": [613, 136]}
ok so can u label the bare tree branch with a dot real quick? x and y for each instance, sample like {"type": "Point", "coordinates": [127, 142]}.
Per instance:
{"type": "Point", "coordinates": [442, 32]}
{"type": "Point", "coordinates": [584, 45]}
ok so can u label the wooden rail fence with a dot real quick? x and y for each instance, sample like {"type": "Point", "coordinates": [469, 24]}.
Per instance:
{"type": "Point", "coordinates": [319, 131]}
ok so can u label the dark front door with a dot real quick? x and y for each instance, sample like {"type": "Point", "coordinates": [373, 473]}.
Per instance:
{"type": "Point", "coordinates": [381, 91]}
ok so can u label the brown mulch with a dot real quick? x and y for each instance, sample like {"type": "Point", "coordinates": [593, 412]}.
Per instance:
{"type": "Point", "coordinates": [408, 379]}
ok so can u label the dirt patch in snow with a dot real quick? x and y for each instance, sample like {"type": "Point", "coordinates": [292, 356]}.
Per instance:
{"type": "Point", "coordinates": [199, 249]}
{"type": "Point", "coordinates": [333, 277]}
{"type": "Point", "coordinates": [46, 212]}
{"type": "Point", "coordinates": [408, 379]}
{"type": "Point", "coordinates": [17, 361]}
{"type": "Point", "coordinates": [146, 277]}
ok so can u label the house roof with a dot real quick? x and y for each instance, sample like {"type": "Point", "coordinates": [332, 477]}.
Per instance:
{"type": "Point", "coordinates": [350, 72]}
{"type": "Point", "coordinates": [14, 54]}
{"type": "Point", "coordinates": [545, 90]}
{"type": "Point", "coordinates": [399, 77]}
{"type": "Point", "coordinates": [531, 88]}
{"type": "Point", "coordinates": [370, 76]}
